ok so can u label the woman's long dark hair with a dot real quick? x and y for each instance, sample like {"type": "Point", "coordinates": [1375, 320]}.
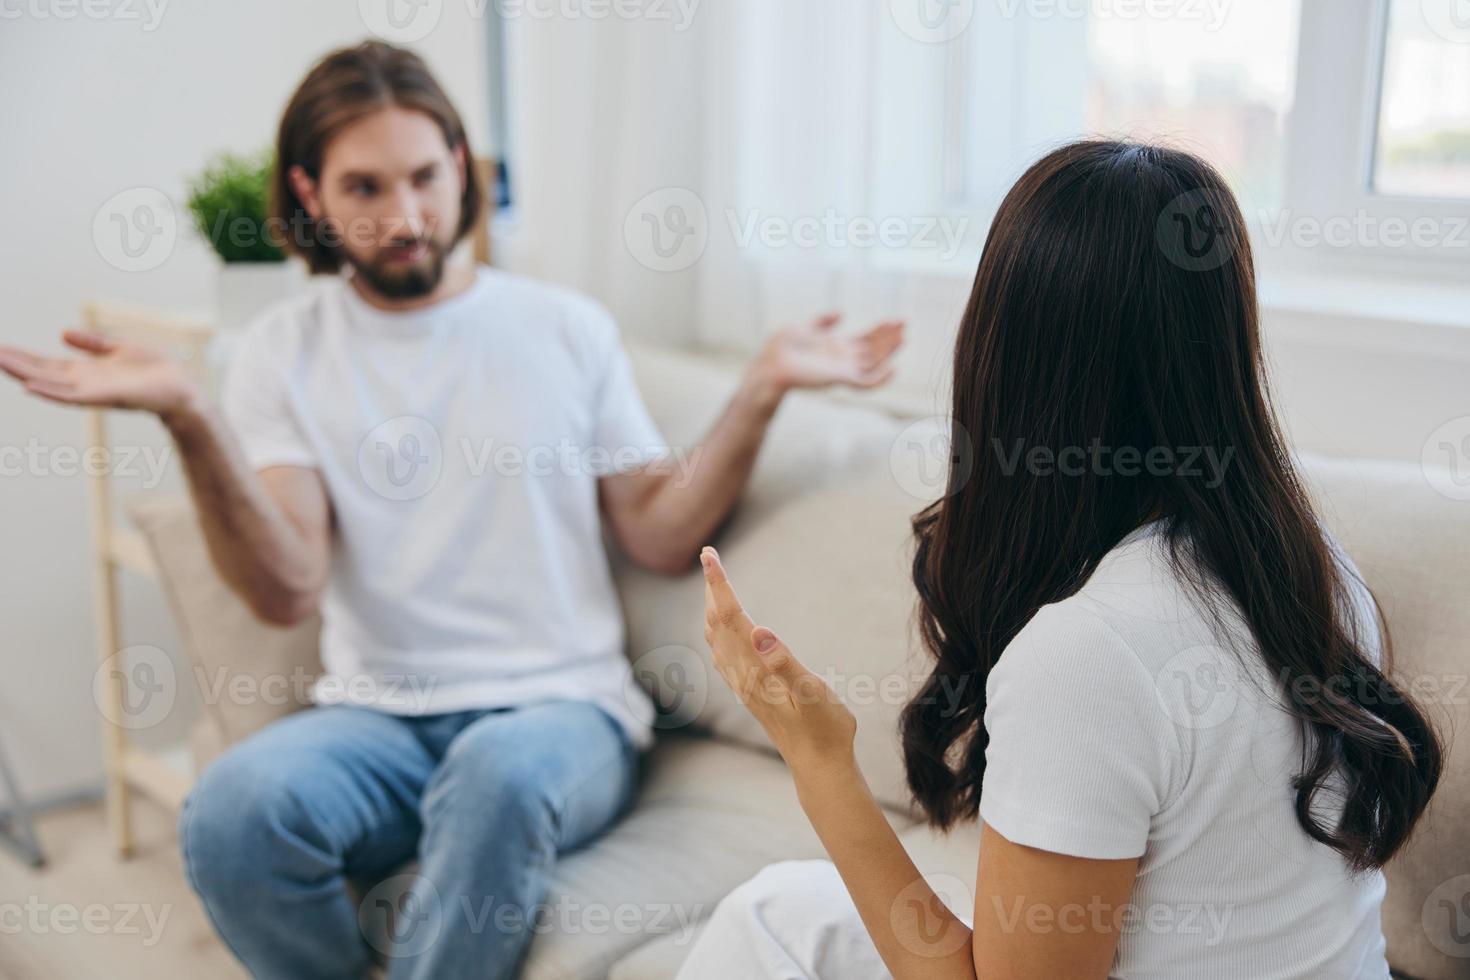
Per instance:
{"type": "Point", "coordinates": [1115, 306]}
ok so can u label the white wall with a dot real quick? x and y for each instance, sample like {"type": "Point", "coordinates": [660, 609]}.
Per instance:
{"type": "Point", "coordinates": [1369, 387]}
{"type": "Point", "coordinates": [92, 107]}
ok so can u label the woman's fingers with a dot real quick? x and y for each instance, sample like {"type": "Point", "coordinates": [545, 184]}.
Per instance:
{"type": "Point", "coordinates": [752, 659]}
{"type": "Point", "coordinates": [784, 679]}
{"type": "Point", "coordinates": [774, 656]}
{"type": "Point", "coordinates": [711, 617]}
{"type": "Point", "coordinates": [722, 594]}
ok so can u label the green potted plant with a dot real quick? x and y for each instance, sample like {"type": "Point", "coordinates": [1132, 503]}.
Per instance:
{"type": "Point", "coordinates": [229, 201]}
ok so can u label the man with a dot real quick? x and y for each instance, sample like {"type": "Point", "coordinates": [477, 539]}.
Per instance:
{"type": "Point", "coordinates": [473, 711]}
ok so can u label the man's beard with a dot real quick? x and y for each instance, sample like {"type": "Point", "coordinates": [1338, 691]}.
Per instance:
{"type": "Point", "coordinates": [402, 282]}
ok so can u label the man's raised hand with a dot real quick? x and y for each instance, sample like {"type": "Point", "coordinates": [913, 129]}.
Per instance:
{"type": "Point", "coordinates": [816, 355]}
{"type": "Point", "coordinates": [114, 374]}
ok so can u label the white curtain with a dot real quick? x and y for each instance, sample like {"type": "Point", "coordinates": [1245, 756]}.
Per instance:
{"type": "Point", "coordinates": [765, 161]}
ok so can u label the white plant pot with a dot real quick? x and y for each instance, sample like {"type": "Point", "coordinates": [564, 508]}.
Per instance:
{"type": "Point", "coordinates": [242, 290]}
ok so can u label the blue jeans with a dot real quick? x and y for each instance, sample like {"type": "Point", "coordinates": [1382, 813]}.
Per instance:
{"type": "Point", "coordinates": [281, 824]}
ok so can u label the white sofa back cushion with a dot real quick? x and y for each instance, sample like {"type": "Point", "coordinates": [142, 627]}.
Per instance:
{"type": "Point", "coordinates": [819, 551]}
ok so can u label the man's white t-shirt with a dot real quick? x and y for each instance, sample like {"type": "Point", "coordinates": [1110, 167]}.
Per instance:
{"type": "Point", "coordinates": [1123, 724]}
{"type": "Point", "coordinates": [461, 447]}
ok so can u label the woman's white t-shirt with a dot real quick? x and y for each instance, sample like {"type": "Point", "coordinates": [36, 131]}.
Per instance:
{"type": "Point", "coordinates": [1123, 725]}
{"type": "Point", "coordinates": [461, 447]}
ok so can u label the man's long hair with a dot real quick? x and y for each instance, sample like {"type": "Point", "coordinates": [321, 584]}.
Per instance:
{"type": "Point", "coordinates": [342, 88]}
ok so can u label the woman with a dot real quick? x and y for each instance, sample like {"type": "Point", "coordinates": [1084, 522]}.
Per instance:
{"type": "Point", "coordinates": [1184, 755]}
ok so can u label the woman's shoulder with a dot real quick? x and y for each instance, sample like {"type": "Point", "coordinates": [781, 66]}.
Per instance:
{"type": "Point", "coordinates": [1138, 641]}
{"type": "Point", "coordinates": [1138, 604]}
{"type": "Point", "coordinates": [1149, 599]}
{"type": "Point", "coordinates": [1148, 632]}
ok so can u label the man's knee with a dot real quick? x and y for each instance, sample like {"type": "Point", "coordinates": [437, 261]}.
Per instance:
{"type": "Point", "coordinates": [242, 823]}
{"type": "Point", "coordinates": [494, 783]}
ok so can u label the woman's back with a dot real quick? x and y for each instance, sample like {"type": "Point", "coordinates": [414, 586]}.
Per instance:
{"type": "Point", "coordinates": [1123, 721]}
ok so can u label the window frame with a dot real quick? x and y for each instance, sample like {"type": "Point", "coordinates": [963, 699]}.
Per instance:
{"type": "Point", "coordinates": [1332, 144]}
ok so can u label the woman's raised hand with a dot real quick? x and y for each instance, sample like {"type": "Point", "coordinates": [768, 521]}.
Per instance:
{"type": "Point", "coordinates": [802, 715]}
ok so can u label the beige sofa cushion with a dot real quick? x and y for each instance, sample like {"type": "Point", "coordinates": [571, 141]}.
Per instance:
{"type": "Point", "coordinates": [249, 673]}
{"type": "Point", "coordinates": [819, 551]}
{"type": "Point", "coordinates": [1413, 548]}
{"type": "Point", "coordinates": [829, 573]}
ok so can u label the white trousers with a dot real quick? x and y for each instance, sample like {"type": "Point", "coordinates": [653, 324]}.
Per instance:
{"type": "Point", "coordinates": [792, 921]}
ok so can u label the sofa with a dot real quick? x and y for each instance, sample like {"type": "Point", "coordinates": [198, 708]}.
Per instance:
{"type": "Point", "coordinates": [819, 548]}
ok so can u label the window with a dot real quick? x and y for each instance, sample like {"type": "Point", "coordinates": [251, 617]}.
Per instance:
{"type": "Point", "coordinates": [1221, 85]}
{"type": "Point", "coordinates": [1343, 125]}
{"type": "Point", "coordinates": [499, 104]}
{"type": "Point", "coordinates": [1423, 143]}
{"type": "Point", "coordinates": [1371, 173]}
{"type": "Point", "coordinates": [1218, 79]}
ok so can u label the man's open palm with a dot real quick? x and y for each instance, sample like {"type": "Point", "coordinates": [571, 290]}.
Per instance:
{"type": "Point", "coordinates": [115, 374]}
{"type": "Point", "coordinates": [816, 356]}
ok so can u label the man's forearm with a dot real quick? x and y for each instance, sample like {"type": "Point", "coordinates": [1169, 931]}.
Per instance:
{"type": "Point", "coordinates": [663, 519]}
{"type": "Point", "coordinates": [254, 544]}
{"type": "Point", "coordinates": [686, 507]}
